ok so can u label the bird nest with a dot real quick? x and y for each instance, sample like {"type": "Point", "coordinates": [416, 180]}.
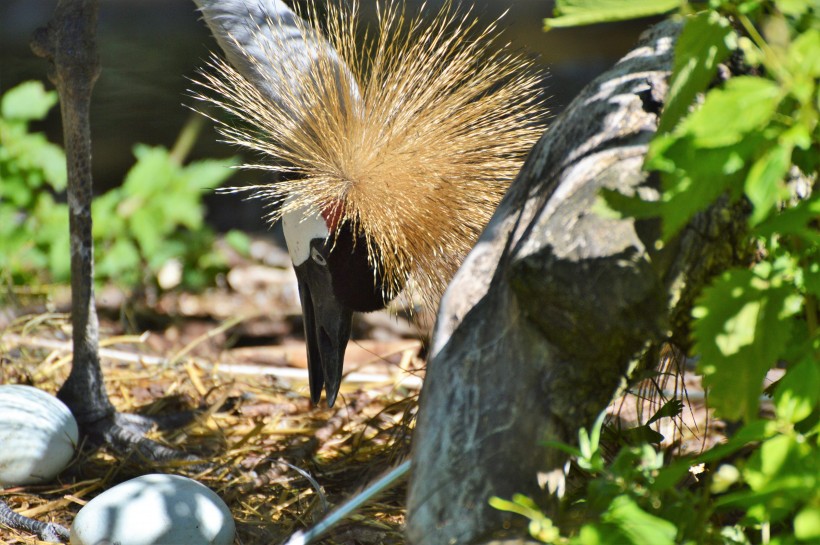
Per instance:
{"type": "Point", "coordinates": [278, 462]}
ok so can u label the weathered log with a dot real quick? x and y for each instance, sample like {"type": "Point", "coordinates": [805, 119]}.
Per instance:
{"type": "Point", "coordinates": [553, 306]}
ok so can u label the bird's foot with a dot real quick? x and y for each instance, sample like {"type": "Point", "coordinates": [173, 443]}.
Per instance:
{"type": "Point", "coordinates": [46, 531]}
{"type": "Point", "coordinates": [125, 434]}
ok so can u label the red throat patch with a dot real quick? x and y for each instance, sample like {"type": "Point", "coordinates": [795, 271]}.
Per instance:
{"type": "Point", "coordinates": [333, 215]}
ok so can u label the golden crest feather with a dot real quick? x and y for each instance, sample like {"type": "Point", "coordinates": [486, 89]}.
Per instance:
{"type": "Point", "coordinates": [415, 134]}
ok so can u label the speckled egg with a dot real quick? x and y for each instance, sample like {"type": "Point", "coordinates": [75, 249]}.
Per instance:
{"type": "Point", "coordinates": [38, 435]}
{"type": "Point", "coordinates": [155, 510]}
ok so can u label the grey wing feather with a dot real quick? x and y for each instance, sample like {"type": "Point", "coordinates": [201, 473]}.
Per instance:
{"type": "Point", "coordinates": [266, 42]}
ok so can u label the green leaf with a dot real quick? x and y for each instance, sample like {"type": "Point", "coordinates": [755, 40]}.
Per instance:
{"type": "Point", "coordinates": [744, 105]}
{"type": "Point", "coordinates": [782, 473]}
{"type": "Point", "coordinates": [27, 101]}
{"type": "Point", "coordinates": [804, 54]}
{"type": "Point", "coordinates": [586, 12]}
{"type": "Point", "coordinates": [613, 204]}
{"type": "Point", "coordinates": [121, 258]}
{"type": "Point", "coordinates": [739, 331]}
{"type": "Point", "coordinates": [208, 174]}
{"type": "Point", "coordinates": [798, 393]}
{"type": "Point", "coordinates": [148, 226]}
{"type": "Point", "coordinates": [706, 39]}
{"type": "Point", "coordinates": [239, 241]}
{"type": "Point", "coordinates": [792, 7]}
{"type": "Point", "coordinates": [641, 434]}
{"type": "Point", "coordinates": [795, 220]}
{"type": "Point", "coordinates": [807, 524]}
{"type": "Point", "coordinates": [568, 449]}
{"type": "Point", "coordinates": [670, 409]}
{"type": "Point", "coordinates": [765, 181]}
{"type": "Point", "coordinates": [692, 178]}
{"type": "Point", "coordinates": [638, 526]}
{"type": "Point", "coordinates": [152, 173]}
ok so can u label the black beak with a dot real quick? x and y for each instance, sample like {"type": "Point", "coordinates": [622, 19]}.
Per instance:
{"type": "Point", "coordinates": [327, 330]}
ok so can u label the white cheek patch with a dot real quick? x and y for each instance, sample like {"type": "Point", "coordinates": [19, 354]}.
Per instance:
{"type": "Point", "coordinates": [301, 226]}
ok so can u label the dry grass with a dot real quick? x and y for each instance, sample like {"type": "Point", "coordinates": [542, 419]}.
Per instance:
{"type": "Point", "coordinates": [246, 427]}
{"type": "Point", "coordinates": [253, 428]}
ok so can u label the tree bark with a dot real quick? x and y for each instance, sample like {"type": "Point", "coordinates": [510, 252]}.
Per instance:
{"type": "Point", "coordinates": [553, 307]}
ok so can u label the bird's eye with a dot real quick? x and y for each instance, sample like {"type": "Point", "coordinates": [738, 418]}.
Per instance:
{"type": "Point", "coordinates": [317, 256]}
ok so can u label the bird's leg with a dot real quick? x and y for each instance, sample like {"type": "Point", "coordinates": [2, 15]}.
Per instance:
{"type": "Point", "coordinates": [46, 531]}
{"type": "Point", "coordinates": [69, 46]}
{"type": "Point", "coordinates": [68, 43]}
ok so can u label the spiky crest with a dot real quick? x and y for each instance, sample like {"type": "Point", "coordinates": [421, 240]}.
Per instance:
{"type": "Point", "coordinates": [416, 136]}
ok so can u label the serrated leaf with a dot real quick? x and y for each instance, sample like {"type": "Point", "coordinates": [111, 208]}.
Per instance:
{"type": "Point", "coordinates": [739, 331]}
{"type": "Point", "coordinates": [670, 409]}
{"type": "Point", "coordinates": [798, 392]}
{"type": "Point", "coordinates": [693, 177]}
{"type": "Point", "coordinates": [765, 182]}
{"type": "Point", "coordinates": [704, 42]}
{"type": "Point", "coordinates": [28, 101]}
{"type": "Point", "coordinates": [586, 12]}
{"type": "Point", "coordinates": [743, 105]}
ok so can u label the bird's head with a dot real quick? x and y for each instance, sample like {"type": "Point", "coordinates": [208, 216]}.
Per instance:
{"type": "Point", "coordinates": [396, 146]}
{"type": "Point", "coordinates": [336, 278]}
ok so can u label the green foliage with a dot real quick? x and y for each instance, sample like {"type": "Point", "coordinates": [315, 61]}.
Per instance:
{"type": "Point", "coordinates": [741, 331]}
{"type": "Point", "coordinates": [31, 170]}
{"type": "Point", "coordinates": [585, 12]}
{"type": "Point", "coordinates": [154, 218]}
{"type": "Point", "coordinates": [747, 138]}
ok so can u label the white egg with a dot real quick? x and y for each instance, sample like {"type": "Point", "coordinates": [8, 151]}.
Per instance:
{"type": "Point", "coordinates": [38, 435]}
{"type": "Point", "coordinates": [153, 510]}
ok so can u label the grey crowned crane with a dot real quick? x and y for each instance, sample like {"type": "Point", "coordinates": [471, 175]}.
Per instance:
{"type": "Point", "coordinates": [397, 146]}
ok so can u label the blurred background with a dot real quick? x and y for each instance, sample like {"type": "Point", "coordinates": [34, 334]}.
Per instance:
{"type": "Point", "coordinates": [150, 48]}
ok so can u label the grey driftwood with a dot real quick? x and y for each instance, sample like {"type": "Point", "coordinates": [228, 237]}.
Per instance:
{"type": "Point", "coordinates": [553, 306]}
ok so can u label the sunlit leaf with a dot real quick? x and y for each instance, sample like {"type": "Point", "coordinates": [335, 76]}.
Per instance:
{"type": "Point", "coordinates": [638, 526]}
{"type": "Point", "coordinates": [765, 181]}
{"type": "Point", "coordinates": [798, 393]}
{"type": "Point", "coordinates": [807, 524]}
{"type": "Point", "coordinates": [795, 220]}
{"type": "Point", "coordinates": [804, 53]}
{"type": "Point", "coordinates": [28, 101]}
{"type": "Point", "coordinates": [152, 172]}
{"type": "Point", "coordinates": [586, 12]}
{"type": "Point", "coordinates": [208, 174]}
{"type": "Point", "coordinates": [706, 39]}
{"type": "Point", "coordinates": [740, 330]}
{"type": "Point", "coordinates": [780, 473]}
{"type": "Point", "coordinates": [727, 115]}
